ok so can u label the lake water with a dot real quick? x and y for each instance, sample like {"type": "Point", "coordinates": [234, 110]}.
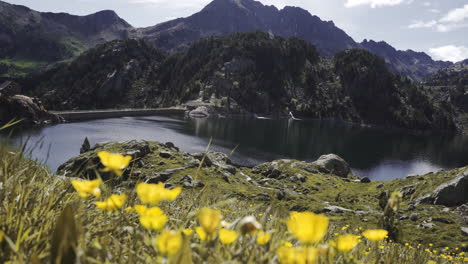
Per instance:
{"type": "Point", "coordinates": [379, 154]}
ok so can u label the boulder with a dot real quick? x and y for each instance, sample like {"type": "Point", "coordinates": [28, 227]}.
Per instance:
{"type": "Point", "coordinates": [200, 112]}
{"type": "Point", "coordinates": [333, 164]}
{"type": "Point", "coordinates": [29, 109]}
{"type": "Point", "coordinates": [454, 192]}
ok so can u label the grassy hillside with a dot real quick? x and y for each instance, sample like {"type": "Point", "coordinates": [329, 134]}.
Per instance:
{"type": "Point", "coordinates": [43, 217]}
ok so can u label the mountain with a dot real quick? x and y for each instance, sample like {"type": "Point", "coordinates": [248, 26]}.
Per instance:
{"type": "Point", "coordinates": [252, 72]}
{"type": "Point", "coordinates": [222, 17]}
{"type": "Point", "coordinates": [415, 65]}
{"type": "Point", "coordinates": [103, 77]}
{"type": "Point", "coordinates": [29, 38]}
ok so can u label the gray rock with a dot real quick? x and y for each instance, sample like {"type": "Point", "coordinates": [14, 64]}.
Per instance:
{"type": "Point", "coordinates": [414, 217]}
{"type": "Point", "coordinates": [464, 231]}
{"type": "Point", "coordinates": [171, 146]}
{"type": "Point", "coordinates": [165, 154]}
{"type": "Point", "coordinates": [335, 209]}
{"type": "Point", "coordinates": [380, 185]}
{"type": "Point", "coordinates": [427, 225]}
{"type": "Point", "coordinates": [333, 164]}
{"type": "Point", "coordinates": [454, 192]}
{"type": "Point", "coordinates": [365, 180]}
{"type": "Point", "coordinates": [200, 112]}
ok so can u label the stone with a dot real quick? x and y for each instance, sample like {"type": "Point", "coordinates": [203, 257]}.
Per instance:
{"type": "Point", "coordinates": [200, 112]}
{"type": "Point", "coordinates": [380, 185]}
{"type": "Point", "coordinates": [427, 225]}
{"type": "Point", "coordinates": [365, 180]}
{"type": "Point", "coordinates": [414, 217]}
{"type": "Point", "coordinates": [29, 109]}
{"type": "Point", "coordinates": [464, 231]}
{"type": "Point", "coordinates": [86, 146]}
{"type": "Point", "coordinates": [333, 164]}
{"type": "Point", "coordinates": [454, 192]}
{"type": "Point", "coordinates": [335, 209]}
{"type": "Point", "coordinates": [274, 173]}
{"type": "Point", "coordinates": [171, 146]}
{"type": "Point", "coordinates": [165, 154]}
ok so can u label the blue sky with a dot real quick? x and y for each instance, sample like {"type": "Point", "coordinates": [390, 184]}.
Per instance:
{"type": "Point", "coordinates": [437, 27]}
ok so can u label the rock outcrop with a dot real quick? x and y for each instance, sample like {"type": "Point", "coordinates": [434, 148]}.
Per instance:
{"type": "Point", "coordinates": [333, 164]}
{"type": "Point", "coordinates": [454, 192]}
{"type": "Point", "coordinates": [28, 109]}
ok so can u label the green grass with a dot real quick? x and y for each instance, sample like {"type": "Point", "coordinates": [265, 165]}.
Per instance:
{"type": "Point", "coordinates": [32, 199]}
{"type": "Point", "coordinates": [12, 68]}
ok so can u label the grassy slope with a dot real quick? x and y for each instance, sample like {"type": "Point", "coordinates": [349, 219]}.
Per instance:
{"type": "Point", "coordinates": [32, 199]}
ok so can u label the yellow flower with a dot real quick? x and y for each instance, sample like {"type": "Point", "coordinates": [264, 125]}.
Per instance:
{"type": "Point", "coordinates": [152, 194]}
{"type": "Point", "coordinates": [375, 234]}
{"type": "Point", "coordinates": [308, 227]}
{"type": "Point", "coordinates": [140, 209]}
{"type": "Point", "coordinates": [307, 255]}
{"type": "Point", "coordinates": [431, 262]}
{"type": "Point", "coordinates": [114, 202]}
{"type": "Point", "coordinates": [227, 236]}
{"type": "Point", "coordinates": [346, 242]}
{"type": "Point", "coordinates": [152, 218]}
{"type": "Point", "coordinates": [169, 242]}
{"type": "Point", "coordinates": [114, 162]}
{"type": "Point", "coordinates": [87, 188]}
{"type": "Point", "coordinates": [263, 238]}
{"type": "Point", "coordinates": [201, 233]}
{"type": "Point", "coordinates": [187, 231]}
{"type": "Point", "coordinates": [209, 220]}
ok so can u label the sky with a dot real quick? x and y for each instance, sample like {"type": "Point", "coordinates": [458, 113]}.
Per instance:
{"type": "Point", "coordinates": [437, 27]}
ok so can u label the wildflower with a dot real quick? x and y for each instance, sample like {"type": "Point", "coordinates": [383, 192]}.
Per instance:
{"type": "Point", "coordinates": [114, 202]}
{"type": "Point", "coordinates": [249, 225]}
{"type": "Point", "coordinates": [297, 255]}
{"type": "Point", "coordinates": [430, 244]}
{"type": "Point", "coordinates": [87, 188]}
{"type": "Point", "coordinates": [308, 227]}
{"type": "Point", "coordinates": [394, 201]}
{"type": "Point", "coordinates": [287, 244]}
{"type": "Point", "coordinates": [201, 233]}
{"type": "Point", "coordinates": [431, 262]}
{"type": "Point", "coordinates": [152, 194]}
{"type": "Point", "coordinates": [114, 162]}
{"type": "Point", "coordinates": [227, 236]}
{"type": "Point", "coordinates": [375, 234]}
{"type": "Point", "coordinates": [140, 209]}
{"type": "Point", "coordinates": [152, 218]}
{"type": "Point", "coordinates": [187, 231]}
{"type": "Point", "coordinates": [169, 242]}
{"type": "Point", "coordinates": [346, 242]}
{"type": "Point", "coordinates": [129, 209]}
{"type": "Point", "coordinates": [263, 238]}
{"type": "Point", "coordinates": [209, 220]}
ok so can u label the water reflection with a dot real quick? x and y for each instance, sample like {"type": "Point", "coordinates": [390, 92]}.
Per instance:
{"type": "Point", "coordinates": [377, 153]}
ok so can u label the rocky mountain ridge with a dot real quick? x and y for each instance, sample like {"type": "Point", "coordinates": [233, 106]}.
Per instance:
{"type": "Point", "coordinates": [50, 37]}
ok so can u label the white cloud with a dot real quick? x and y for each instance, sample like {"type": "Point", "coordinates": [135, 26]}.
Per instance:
{"type": "Point", "coordinates": [454, 19]}
{"type": "Point", "coordinates": [456, 15]}
{"type": "Point", "coordinates": [374, 3]}
{"type": "Point", "coordinates": [450, 53]}
{"type": "Point", "coordinates": [422, 24]}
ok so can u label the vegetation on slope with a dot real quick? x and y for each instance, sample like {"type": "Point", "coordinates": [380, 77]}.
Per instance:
{"type": "Point", "coordinates": [243, 73]}
{"type": "Point", "coordinates": [35, 221]}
